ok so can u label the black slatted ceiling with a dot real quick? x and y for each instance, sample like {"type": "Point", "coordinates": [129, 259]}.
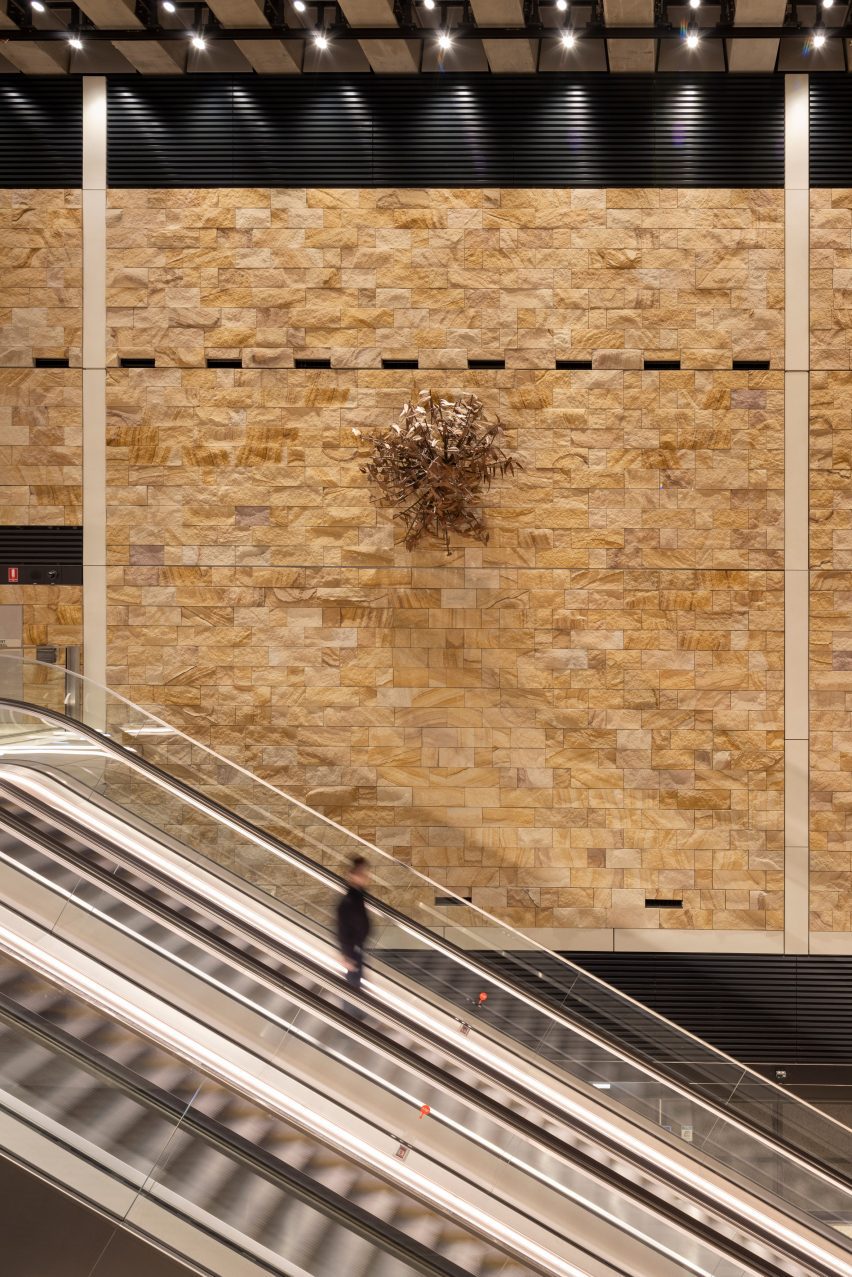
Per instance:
{"type": "Point", "coordinates": [831, 130]}
{"type": "Point", "coordinates": [440, 130]}
{"type": "Point", "coordinates": [296, 131]}
{"type": "Point", "coordinates": [582, 131]}
{"type": "Point", "coordinates": [41, 131]}
{"type": "Point", "coordinates": [718, 130]}
{"type": "Point", "coordinates": [170, 131]}
{"type": "Point", "coordinates": [445, 131]}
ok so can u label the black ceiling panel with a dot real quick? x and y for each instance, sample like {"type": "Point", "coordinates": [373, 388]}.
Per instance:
{"type": "Point", "coordinates": [592, 130]}
{"type": "Point", "coordinates": [301, 131]}
{"type": "Point", "coordinates": [440, 130]}
{"type": "Point", "coordinates": [41, 131]}
{"type": "Point", "coordinates": [831, 130]}
{"type": "Point", "coordinates": [719, 130]}
{"type": "Point", "coordinates": [443, 130]}
{"type": "Point", "coordinates": [170, 131]}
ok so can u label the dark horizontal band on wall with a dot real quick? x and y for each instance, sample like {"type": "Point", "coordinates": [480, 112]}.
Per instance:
{"type": "Point", "coordinates": [41, 132]}
{"type": "Point", "coordinates": [446, 131]}
{"type": "Point", "coordinates": [830, 131]}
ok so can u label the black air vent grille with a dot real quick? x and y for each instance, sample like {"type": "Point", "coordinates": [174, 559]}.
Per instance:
{"type": "Point", "coordinates": [59, 544]}
{"type": "Point", "coordinates": [41, 131]}
{"type": "Point", "coordinates": [33, 555]}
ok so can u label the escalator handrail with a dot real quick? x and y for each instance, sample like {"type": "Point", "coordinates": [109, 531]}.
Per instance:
{"type": "Point", "coordinates": [630, 1184]}
{"type": "Point", "coordinates": [313, 1194]}
{"type": "Point", "coordinates": [334, 881]}
{"type": "Point", "coordinates": [255, 832]}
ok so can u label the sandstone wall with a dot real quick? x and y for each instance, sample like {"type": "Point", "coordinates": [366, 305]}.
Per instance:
{"type": "Point", "coordinates": [41, 276]}
{"type": "Point", "coordinates": [831, 560]}
{"type": "Point", "coordinates": [584, 712]}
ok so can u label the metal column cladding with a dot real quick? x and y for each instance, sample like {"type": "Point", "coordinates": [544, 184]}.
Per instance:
{"type": "Point", "coordinates": [446, 131]}
{"type": "Point", "coordinates": [41, 131]}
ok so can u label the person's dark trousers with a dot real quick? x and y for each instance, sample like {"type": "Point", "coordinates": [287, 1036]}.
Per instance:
{"type": "Point", "coordinates": [353, 977]}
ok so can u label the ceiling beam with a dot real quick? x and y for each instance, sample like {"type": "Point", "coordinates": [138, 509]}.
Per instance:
{"type": "Point", "coordinates": [423, 35]}
{"type": "Point", "coordinates": [35, 56]}
{"type": "Point", "coordinates": [386, 55]}
{"type": "Point", "coordinates": [505, 57]}
{"type": "Point", "coordinates": [270, 58]}
{"type": "Point", "coordinates": [149, 57]}
{"type": "Point", "coordinates": [756, 55]}
{"type": "Point", "coordinates": [626, 56]}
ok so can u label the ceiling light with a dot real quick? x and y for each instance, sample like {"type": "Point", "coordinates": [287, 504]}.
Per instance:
{"type": "Point", "coordinates": [695, 4]}
{"type": "Point", "coordinates": [75, 42]}
{"type": "Point", "coordinates": [198, 41]}
{"type": "Point", "coordinates": [562, 5]}
{"type": "Point", "coordinates": [428, 4]}
{"type": "Point", "coordinates": [444, 41]}
{"type": "Point", "coordinates": [567, 39]}
{"type": "Point", "coordinates": [692, 40]}
{"type": "Point", "coordinates": [320, 40]}
{"type": "Point", "coordinates": [827, 4]}
{"type": "Point", "coordinates": [37, 5]}
{"type": "Point", "coordinates": [169, 7]}
{"type": "Point", "coordinates": [819, 39]}
{"type": "Point", "coordinates": [299, 6]}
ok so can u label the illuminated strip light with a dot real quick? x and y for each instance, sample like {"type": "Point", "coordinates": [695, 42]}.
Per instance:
{"type": "Point", "coordinates": [52, 967]}
{"type": "Point", "coordinates": [376, 1079]}
{"type": "Point", "coordinates": [385, 994]}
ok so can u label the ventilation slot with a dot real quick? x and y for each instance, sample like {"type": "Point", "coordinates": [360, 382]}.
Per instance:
{"type": "Point", "coordinates": [663, 904]}
{"type": "Point", "coordinates": [311, 363]}
{"type": "Point", "coordinates": [661, 365]}
{"type": "Point", "coordinates": [130, 361]}
{"type": "Point", "coordinates": [47, 362]}
{"type": "Point", "coordinates": [453, 900]}
{"type": "Point", "coordinates": [486, 363]}
{"type": "Point", "coordinates": [400, 363]}
{"type": "Point", "coordinates": [567, 364]}
{"type": "Point", "coordinates": [743, 365]}
{"type": "Point", "coordinates": [224, 363]}
{"type": "Point", "coordinates": [41, 555]}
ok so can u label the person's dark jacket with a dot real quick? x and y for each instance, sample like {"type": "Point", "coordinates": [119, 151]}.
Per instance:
{"type": "Point", "coordinates": [353, 923]}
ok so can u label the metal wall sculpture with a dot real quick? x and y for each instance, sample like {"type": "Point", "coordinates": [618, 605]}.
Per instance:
{"type": "Point", "coordinates": [433, 468]}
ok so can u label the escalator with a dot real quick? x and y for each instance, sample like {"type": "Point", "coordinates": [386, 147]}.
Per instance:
{"type": "Point", "coordinates": [134, 808]}
{"type": "Point", "coordinates": [211, 1176]}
